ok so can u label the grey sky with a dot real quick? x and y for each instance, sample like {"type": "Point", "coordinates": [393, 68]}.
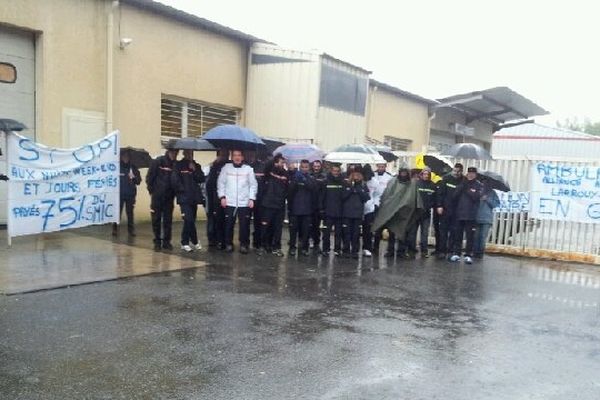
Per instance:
{"type": "Point", "coordinates": [546, 50]}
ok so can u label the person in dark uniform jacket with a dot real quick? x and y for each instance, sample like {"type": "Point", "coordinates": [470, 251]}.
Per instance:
{"type": "Point", "coordinates": [468, 195]}
{"type": "Point", "coordinates": [129, 177]}
{"type": "Point", "coordinates": [160, 185]}
{"type": "Point", "coordinates": [190, 177]}
{"type": "Point", "coordinates": [215, 215]}
{"type": "Point", "coordinates": [427, 190]}
{"type": "Point", "coordinates": [275, 189]}
{"type": "Point", "coordinates": [302, 190]}
{"type": "Point", "coordinates": [445, 208]}
{"type": "Point", "coordinates": [331, 210]}
{"type": "Point", "coordinates": [354, 197]}
{"type": "Point", "coordinates": [320, 177]}
{"type": "Point", "coordinates": [258, 166]}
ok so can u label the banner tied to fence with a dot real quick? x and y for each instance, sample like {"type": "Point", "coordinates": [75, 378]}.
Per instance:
{"type": "Point", "coordinates": [55, 189]}
{"type": "Point", "coordinates": [564, 192]}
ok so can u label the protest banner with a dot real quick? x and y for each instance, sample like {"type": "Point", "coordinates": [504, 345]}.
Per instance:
{"type": "Point", "coordinates": [565, 192]}
{"type": "Point", "coordinates": [513, 202]}
{"type": "Point", "coordinates": [55, 189]}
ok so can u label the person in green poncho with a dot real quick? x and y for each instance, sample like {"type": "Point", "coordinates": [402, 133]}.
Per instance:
{"type": "Point", "coordinates": [398, 211]}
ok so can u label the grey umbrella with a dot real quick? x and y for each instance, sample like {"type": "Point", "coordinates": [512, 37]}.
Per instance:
{"type": "Point", "coordinates": [190, 143]}
{"type": "Point", "coordinates": [469, 151]}
{"type": "Point", "coordinates": [8, 125]}
{"type": "Point", "coordinates": [494, 180]}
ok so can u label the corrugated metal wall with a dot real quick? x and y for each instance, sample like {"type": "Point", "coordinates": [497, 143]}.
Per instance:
{"type": "Point", "coordinates": [517, 233]}
{"type": "Point", "coordinates": [507, 147]}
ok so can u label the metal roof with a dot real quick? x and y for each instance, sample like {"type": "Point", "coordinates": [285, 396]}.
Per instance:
{"type": "Point", "coordinates": [496, 105]}
{"type": "Point", "coordinates": [182, 16]}
{"type": "Point", "coordinates": [332, 58]}
{"type": "Point", "coordinates": [542, 132]}
{"type": "Point", "coordinates": [401, 92]}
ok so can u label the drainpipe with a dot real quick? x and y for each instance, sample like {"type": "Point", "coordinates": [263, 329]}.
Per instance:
{"type": "Point", "coordinates": [430, 118]}
{"type": "Point", "coordinates": [110, 65]}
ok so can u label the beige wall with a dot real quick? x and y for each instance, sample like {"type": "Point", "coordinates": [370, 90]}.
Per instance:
{"type": "Point", "coordinates": [392, 115]}
{"type": "Point", "coordinates": [70, 57]}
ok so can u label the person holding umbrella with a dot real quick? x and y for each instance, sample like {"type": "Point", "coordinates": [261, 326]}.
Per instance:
{"type": "Point", "coordinates": [427, 190]}
{"type": "Point", "coordinates": [237, 187]}
{"type": "Point", "coordinates": [445, 209]}
{"type": "Point", "coordinates": [354, 197]}
{"type": "Point", "coordinates": [485, 216]}
{"type": "Point", "coordinates": [275, 189]}
{"type": "Point", "coordinates": [468, 195]}
{"type": "Point", "coordinates": [302, 190]}
{"type": "Point", "coordinates": [215, 214]}
{"type": "Point", "coordinates": [189, 177]}
{"type": "Point", "coordinates": [129, 179]}
{"type": "Point", "coordinates": [161, 187]}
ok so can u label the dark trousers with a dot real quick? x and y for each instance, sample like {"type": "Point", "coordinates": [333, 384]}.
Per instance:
{"type": "Point", "coordinates": [257, 231]}
{"type": "Point", "coordinates": [466, 228]}
{"type": "Point", "coordinates": [367, 234]}
{"type": "Point", "coordinates": [215, 225]}
{"type": "Point", "coordinates": [315, 229]}
{"type": "Point", "coordinates": [271, 220]}
{"type": "Point", "coordinates": [243, 215]}
{"type": "Point", "coordinates": [447, 229]}
{"type": "Point", "coordinates": [422, 226]}
{"type": "Point", "coordinates": [128, 203]}
{"type": "Point", "coordinates": [332, 223]}
{"type": "Point", "coordinates": [351, 231]}
{"type": "Point", "coordinates": [189, 233]}
{"type": "Point", "coordinates": [162, 215]}
{"type": "Point", "coordinates": [300, 230]}
{"type": "Point", "coordinates": [436, 230]}
{"type": "Point", "coordinates": [481, 239]}
{"type": "Point", "coordinates": [399, 246]}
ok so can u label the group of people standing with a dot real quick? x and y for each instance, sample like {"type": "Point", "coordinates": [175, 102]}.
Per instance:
{"type": "Point", "coordinates": [355, 206]}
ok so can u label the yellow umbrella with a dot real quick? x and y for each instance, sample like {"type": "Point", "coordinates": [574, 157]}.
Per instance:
{"type": "Point", "coordinates": [419, 163]}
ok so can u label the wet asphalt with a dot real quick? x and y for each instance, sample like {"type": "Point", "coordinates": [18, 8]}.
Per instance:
{"type": "Point", "coordinates": [249, 327]}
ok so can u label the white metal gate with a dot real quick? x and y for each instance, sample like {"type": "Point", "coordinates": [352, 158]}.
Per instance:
{"type": "Point", "coordinates": [518, 233]}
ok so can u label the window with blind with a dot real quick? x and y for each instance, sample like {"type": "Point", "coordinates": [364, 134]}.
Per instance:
{"type": "Point", "coordinates": [183, 118]}
{"type": "Point", "coordinates": [396, 143]}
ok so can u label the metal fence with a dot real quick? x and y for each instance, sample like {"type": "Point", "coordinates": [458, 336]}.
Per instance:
{"type": "Point", "coordinates": [518, 233]}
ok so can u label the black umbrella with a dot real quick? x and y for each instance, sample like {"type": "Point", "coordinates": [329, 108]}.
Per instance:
{"type": "Point", "coordinates": [8, 125]}
{"type": "Point", "coordinates": [138, 157]}
{"type": "Point", "coordinates": [386, 152]}
{"type": "Point", "coordinates": [190, 143]}
{"type": "Point", "coordinates": [494, 180]}
{"type": "Point", "coordinates": [438, 166]}
{"type": "Point", "coordinates": [234, 137]}
{"type": "Point", "coordinates": [271, 144]}
{"type": "Point", "coordinates": [3, 177]}
{"type": "Point", "coordinates": [469, 151]}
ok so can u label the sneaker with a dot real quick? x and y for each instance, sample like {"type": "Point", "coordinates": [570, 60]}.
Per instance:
{"type": "Point", "coordinates": [292, 251]}
{"type": "Point", "coordinates": [305, 253]}
{"type": "Point", "coordinates": [278, 253]}
{"type": "Point", "coordinates": [197, 246]}
{"type": "Point", "coordinates": [337, 253]}
{"type": "Point", "coordinates": [167, 246]}
{"type": "Point", "coordinates": [229, 249]}
{"type": "Point", "coordinates": [424, 254]}
{"type": "Point", "coordinates": [454, 258]}
{"type": "Point", "coordinates": [367, 253]}
{"type": "Point", "coordinates": [244, 250]}
{"type": "Point", "coordinates": [187, 248]}
{"type": "Point", "coordinates": [259, 251]}
{"type": "Point", "coordinates": [468, 260]}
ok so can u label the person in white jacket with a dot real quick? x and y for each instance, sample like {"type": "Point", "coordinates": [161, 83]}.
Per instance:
{"type": "Point", "coordinates": [237, 189]}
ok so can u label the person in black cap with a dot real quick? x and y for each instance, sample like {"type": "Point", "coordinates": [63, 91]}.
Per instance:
{"type": "Point", "coordinates": [161, 187]}
{"type": "Point", "coordinates": [355, 195]}
{"type": "Point", "coordinates": [427, 191]}
{"type": "Point", "coordinates": [445, 208]}
{"type": "Point", "coordinates": [275, 189]}
{"type": "Point", "coordinates": [468, 194]}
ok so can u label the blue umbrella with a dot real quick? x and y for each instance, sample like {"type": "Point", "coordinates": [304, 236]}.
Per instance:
{"type": "Point", "coordinates": [296, 152]}
{"type": "Point", "coordinates": [233, 137]}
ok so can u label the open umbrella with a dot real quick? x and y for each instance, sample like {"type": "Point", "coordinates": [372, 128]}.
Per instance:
{"type": "Point", "coordinates": [385, 152]}
{"type": "Point", "coordinates": [190, 143]}
{"type": "Point", "coordinates": [296, 152]}
{"type": "Point", "coordinates": [354, 158]}
{"type": "Point", "coordinates": [271, 144]}
{"type": "Point", "coordinates": [469, 151]}
{"type": "Point", "coordinates": [138, 157]}
{"type": "Point", "coordinates": [8, 125]}
{"type": "Point", "coordinates": [234, 137]}
{"type": "Point", "coordinates": [494, 180]}
{"type": "Point", "coordinates": [438, 166]}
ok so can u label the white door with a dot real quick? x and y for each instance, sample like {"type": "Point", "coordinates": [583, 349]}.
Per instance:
{"type": "Point", "coordinates": [17, 99]}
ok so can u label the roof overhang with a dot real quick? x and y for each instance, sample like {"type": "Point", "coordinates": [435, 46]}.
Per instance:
{"type": "Point", "coordinates": [497, 105]}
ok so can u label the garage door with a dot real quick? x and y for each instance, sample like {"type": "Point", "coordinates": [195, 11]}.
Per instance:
{"type": "Point", "coordinates": [17, 90]}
